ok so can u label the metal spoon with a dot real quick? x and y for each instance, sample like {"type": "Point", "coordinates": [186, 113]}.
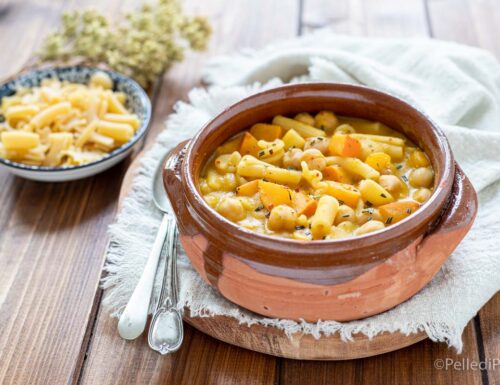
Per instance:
{"type": "Point", "coordinates": [166, 331]}
{"type": "Point", "coordinates": [133, 320]}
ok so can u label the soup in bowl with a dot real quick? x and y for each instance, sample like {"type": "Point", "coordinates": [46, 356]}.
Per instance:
{"type": "Point", "coordinates": [317, 177]}
{"type": "Point", "coordinates": [336, 272]}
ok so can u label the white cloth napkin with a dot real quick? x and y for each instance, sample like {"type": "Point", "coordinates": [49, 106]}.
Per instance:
{"type": "Point", "coordinates": [458, 86]}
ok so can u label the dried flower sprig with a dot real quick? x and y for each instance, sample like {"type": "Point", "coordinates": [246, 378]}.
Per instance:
{"type": "Point", "coordinates": [143, 45]}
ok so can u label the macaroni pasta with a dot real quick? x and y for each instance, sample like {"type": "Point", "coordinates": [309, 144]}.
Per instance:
{"type": "Point", "coordinates": [61, 124]}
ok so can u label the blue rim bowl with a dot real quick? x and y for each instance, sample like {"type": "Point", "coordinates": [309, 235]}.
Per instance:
{"type": "Point", "coordinates": [137, 102]}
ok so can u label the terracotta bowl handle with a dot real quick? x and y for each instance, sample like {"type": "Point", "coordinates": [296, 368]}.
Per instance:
{"type": "Point", "coordinates": [453, 225]}
{"type": "Point", "coordinates": [172, 177]}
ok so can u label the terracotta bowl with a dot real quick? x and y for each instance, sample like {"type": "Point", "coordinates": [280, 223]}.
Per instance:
{"type": "Point", "coordinates": [329, 279]}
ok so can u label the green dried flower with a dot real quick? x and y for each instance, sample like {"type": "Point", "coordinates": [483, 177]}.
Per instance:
{"type": "Point", "coordinates": [143, 45]}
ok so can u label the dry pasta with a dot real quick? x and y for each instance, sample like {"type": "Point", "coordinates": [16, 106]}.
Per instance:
{"type": "Point", "coordinates": [313, 177]}
{"type": "Point", "coordinates": [63, 124]}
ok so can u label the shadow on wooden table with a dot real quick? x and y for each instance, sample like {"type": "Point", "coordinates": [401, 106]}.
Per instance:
{"type": "Point", "coordinates": [56, 207]}
{"type": "Point", "coordinates": [204, 360]}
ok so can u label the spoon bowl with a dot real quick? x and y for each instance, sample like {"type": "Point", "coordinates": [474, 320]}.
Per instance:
{"type": "Point", "coordinates": [160, 197]}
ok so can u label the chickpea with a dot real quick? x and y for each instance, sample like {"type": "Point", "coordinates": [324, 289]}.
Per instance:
{"type": "Point", "coordinates": [421, 177]}
{"type": "Point", "coordinates": [302, 236]}
{"type": "Point", "coordinates": [345, 129]}
{"type": "Point", "coordinates": [305, 118]}
{"type": "Point", "coordinates": [212, 200]}
{"type": "Point", "coordinates": [318, 143]}
{"type": "Point", "coordinates": [260, 215]}
{"type": "Point", "coordinates": [336, 233]}
{"type": "Point", "coordinates": [367, 215]}
{"type": "Point", "coordinates": [232, 209]}
{"type": "Point", "coordinates": [204, 187]}
{"type": "Point", "coordinates": [385, 171]}
{"type": "Point", "coordinates": [302, 220]}
{"type": "Point", "coordinates": [314, 158]}
{"type": "Point", "coordinates": [369, 227]}
{"type": "Point", "coordinates": [227, 162]}
{"type": "Point", "coordinates": [345, 213]}
{"type": "Point", "coordinates": [248, 203]}
{"type": "Point", "coordinates": [422, 194]}
{"type": "Point", "coordinates": [347, 226]}
{"type": "Point", "coordinates": [326, 120]}
{"type": "Point", "coordinates": [282, 218]}
{"type": "Point", "coordinates": [229, 182]}
{"type": "Point", "coordinates": [292, 158]}
{"type": "Point", "coordinates": [391, 183]}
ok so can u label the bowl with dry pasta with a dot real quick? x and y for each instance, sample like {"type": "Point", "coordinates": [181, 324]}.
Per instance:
{"type": "Point", "coordinates": [65, 123]}
{"type": "Point", "coordinates": [319, 201]}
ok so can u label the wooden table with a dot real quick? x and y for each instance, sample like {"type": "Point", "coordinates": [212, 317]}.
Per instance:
{"type": "Point", "coordinates": [53, 236]}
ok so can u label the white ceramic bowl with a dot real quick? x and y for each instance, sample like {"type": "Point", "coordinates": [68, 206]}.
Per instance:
{"type": "Point", "coordinates": [137, 102]}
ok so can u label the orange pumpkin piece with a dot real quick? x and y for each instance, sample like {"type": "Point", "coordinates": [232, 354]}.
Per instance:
{"type": "Point", "coordinates": [304, 204]}
{"type": "Point", "coordinates": [337, 174]}
{"type": "Point", "coordinates": [229, 147]}
{"type": "Point", "coordinates": [249, 145]}
{"type": "Point", "coordinates": [248, 189]}
{"type": "Point", "coordinates": [397, 211]}
{"type": "Point", "coordinates": [378, 160]}
{"type": "Point", "coordinates": [345, 145]}
{"type": "Point", "coordinates": [346, 193]}
{"type": "Point", "coordinates": [267, 132]}
{"type": "Point", "coordinates": [272, 195]}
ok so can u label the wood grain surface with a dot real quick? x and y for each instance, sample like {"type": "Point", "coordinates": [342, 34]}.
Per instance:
{"type": "Point", "coordinates": [53, 236]}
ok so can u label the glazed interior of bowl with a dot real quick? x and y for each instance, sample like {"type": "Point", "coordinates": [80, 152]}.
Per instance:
{"type": "Point", "coordinates": [347, 100]}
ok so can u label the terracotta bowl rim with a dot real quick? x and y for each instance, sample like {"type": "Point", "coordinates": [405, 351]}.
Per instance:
{"type": "Point", "coordinates": [436, 203]}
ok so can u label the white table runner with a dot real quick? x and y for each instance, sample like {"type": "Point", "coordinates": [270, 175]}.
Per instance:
{"type": "Point", "coordinates": [458, 86]}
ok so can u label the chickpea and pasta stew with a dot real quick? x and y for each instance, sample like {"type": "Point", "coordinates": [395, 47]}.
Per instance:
{"type": "Point", "coordinates": [64, 124]}
{"type": "Point", "coordinates": [314, 177]}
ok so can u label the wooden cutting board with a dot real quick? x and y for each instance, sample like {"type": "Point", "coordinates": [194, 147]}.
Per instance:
{"type": "Point", "coordinates": [273, 341]}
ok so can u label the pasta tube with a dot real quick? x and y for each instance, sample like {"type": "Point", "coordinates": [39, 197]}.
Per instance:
{"type": "Point", "coordinates": [370, 147]}
{"type": "Point", "coordinates": [251, 167]}
{"type": "Point", "coordinates": [85, 135]}
{"type": "Point", "coordinates": [92, 118]}
{"type": "Point", "coordinates": [323, 218]}
{"type": "Point", "coordinates": [121, 132]}
{"type": "Point", "coordinates": [58, 142]}
{"type": "Point", "coordinates": [104, 142]}
{"type": "Point", "coordinates": [283, 175]}
{"type": "Point", "coordinates": [381, 139]}
{"type": "Point", "coordinates": [20, 112]}
{"type": "Point", "coordinates": [305, 130]}
{"type": "Point", "coordinates": [131, 119]}
{"type": "Point", "coordinates": [114, 104]}
{"type": "Point", "coordinates": [19, 140]}
{"type": "Point", "coordinates": [47, 116]}
{"type": "Point", "coordinates": [356, 166]}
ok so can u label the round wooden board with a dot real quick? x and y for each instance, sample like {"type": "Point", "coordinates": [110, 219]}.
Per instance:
{"type": "Point", "coordinates": [273, 341]}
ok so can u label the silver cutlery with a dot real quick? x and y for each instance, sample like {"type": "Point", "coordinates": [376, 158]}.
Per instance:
{"type": "Point", "coordinates": [166, 331]}
{"type": "Point", "coordinates": [133, 320]}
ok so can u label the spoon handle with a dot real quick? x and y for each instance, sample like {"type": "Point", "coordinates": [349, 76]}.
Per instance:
{"type": "Point", "coordinates": [166, 331]}
{"type": "Point", "coordinates": [133, 320]}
